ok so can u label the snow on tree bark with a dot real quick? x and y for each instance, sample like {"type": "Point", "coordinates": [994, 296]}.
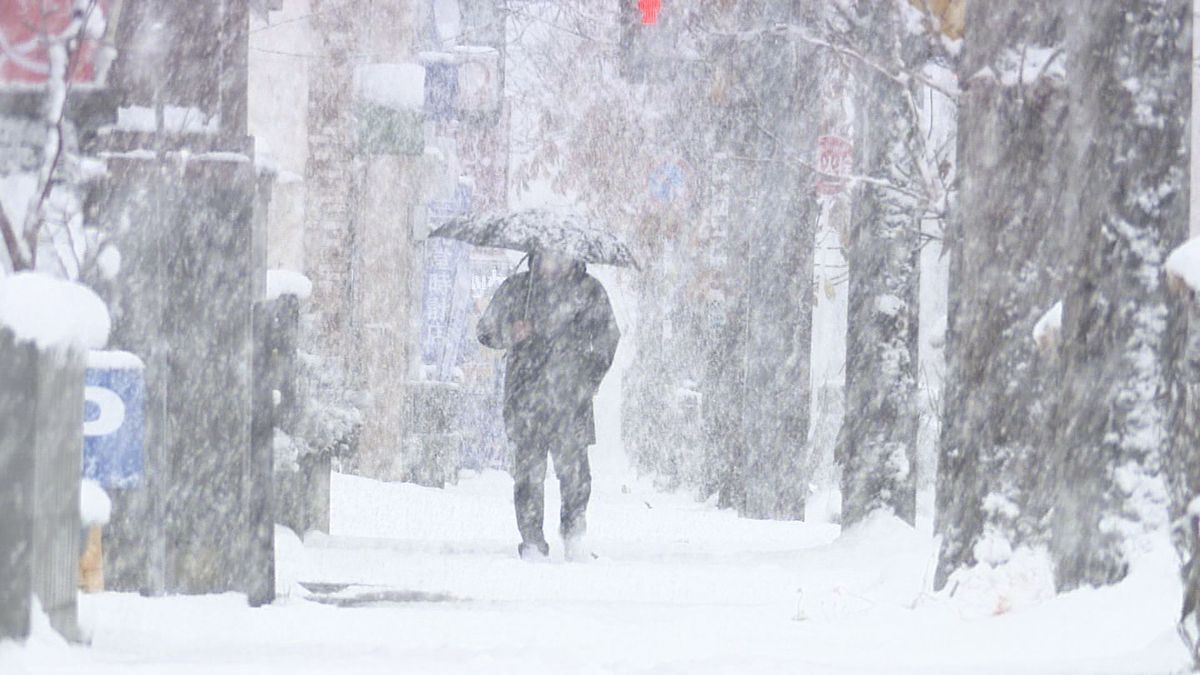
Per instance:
{"type": "Point", "coordinates": [1130, 101]}
{"type": "Point", "coordinates": [774, 115]}
{"type": "Point", "coordinates": [1004, 247]}
{"type": "Point", "coordinates": [877, 443]}
{"type": "Point", "coordinates": [1183, 470]}
{"type": "Point", "coordinates": [725, 302]}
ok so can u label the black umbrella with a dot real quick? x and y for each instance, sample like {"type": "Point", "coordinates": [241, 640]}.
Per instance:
{"type": "Point", "coordinates": [540, 230]}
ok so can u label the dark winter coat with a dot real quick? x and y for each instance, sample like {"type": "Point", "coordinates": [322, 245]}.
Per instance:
{"type": "Point", "coordinates": [552, 376]}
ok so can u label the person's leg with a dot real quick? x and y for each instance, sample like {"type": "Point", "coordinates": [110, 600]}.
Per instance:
{"type": "Point", "coordinates": [575, 482]}
{"type": "Point", "coordinates": [529, 492]}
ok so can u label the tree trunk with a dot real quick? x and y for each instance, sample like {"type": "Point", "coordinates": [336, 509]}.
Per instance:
{"type": "Point", "coordinates": [877, 443]}
{"type": "Point", "coordinates": [1005, 244]}
{"type": "Point", "coordinates": [1130, 103]}
{"type": "Point", "coordinates": [1182, 468]}
{"type": "Point", "coordinates": [757, 378]}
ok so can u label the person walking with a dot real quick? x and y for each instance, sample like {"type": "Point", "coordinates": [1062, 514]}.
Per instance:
{"type": "Point", "coordinates": [557, 325]}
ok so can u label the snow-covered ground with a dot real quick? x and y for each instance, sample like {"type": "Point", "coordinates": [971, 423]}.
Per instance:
{"type": "Point", "coordinates": [679, 587]}
{"type": "Point", "coordinates": [432, 584]}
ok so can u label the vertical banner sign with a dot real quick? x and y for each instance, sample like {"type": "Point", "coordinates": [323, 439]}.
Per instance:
{"type": "Point", "coordinates": [114, 421]}
{"type": "Point", "coordinates": [26, 28]}
{"type": "Point", "coordinates": [484, 370]}
{"type": "Point", "coordinates": [447, 290]}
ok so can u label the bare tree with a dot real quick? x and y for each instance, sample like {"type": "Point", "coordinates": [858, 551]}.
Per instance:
{"type": "Point", "coordinates": [900, 181]}
{"type": "Point", "coordinates": [63, 48]}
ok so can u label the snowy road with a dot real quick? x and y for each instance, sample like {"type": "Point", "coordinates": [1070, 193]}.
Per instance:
{"type": "Point", "coordinates": [679, 588]}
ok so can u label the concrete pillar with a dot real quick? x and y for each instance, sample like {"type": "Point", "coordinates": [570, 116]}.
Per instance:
{"type": "Point", "coordinates": [41, 413]}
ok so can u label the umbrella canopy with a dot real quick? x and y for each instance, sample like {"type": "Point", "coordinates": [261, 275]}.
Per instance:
{"type": "Point", "coordinates": [540, 230]}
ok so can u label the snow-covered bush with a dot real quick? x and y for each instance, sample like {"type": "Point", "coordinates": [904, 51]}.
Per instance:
{"type": "Point", "coordinates": [330, 410]}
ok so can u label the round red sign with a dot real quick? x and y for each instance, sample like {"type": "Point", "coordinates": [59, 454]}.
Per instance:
{"type": "Point", "coordinates": [835, 157]}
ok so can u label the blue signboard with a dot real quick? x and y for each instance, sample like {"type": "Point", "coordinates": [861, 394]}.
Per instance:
{"type": "Point", "coordinates": [114, 425]}
{"type": "Point", "coordinates": [669, 181]}
{"type": "Point", "coordinates": [441, 89]}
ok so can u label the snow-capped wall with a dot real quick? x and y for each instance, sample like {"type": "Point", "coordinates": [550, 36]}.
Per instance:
{"type": "Point", "coordinates": [53, 313]}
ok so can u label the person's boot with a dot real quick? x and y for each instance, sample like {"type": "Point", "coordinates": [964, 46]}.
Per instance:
{"type": "Point", "coordinates": [575, 549]}
{"type": "Point", "coordinates": [534, 551]}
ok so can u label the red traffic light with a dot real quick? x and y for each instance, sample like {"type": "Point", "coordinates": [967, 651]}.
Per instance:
{"type": "Point", "coordinates": [649, 10]}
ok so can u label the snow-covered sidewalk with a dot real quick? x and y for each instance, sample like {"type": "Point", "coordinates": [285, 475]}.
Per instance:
{"type": "Point", "coordinates": [679, 587]}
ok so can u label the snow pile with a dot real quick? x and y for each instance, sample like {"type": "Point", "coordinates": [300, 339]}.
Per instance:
{"type": "Point", "coordinates": [1025, 579]}
{"type": "Point", "coordinates": [399, 86]}
{"type": "Point", "coordinates": [53, 313]}
{"type": "Point", "coordinates": [1047, 330]}
{"type": "Point", "coordinates": [880, 562]}
{"type": "Point", "coordinates": [1183, 264]}
{"type": "Point", "coordinates": [287, 282]}
{"type": "Point", "coordinates": [44, 648]}
{"type": "Point", "coordinates": [888, 304]}
{"type": "Point", "coordinates": [95, 508]}
{"type": "Point", "coordinates": [175, 120]}
{"type": "Point", "coordinates": [290, 550]}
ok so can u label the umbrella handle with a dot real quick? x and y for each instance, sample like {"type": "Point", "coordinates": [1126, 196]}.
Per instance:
{"type": "Point", "coordinates": [528, 287]}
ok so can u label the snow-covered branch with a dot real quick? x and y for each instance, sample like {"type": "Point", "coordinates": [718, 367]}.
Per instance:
{"type": "Point", "coordinates": [901, 77]}
{"type": "Point", "coordinates": [63, 53]}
